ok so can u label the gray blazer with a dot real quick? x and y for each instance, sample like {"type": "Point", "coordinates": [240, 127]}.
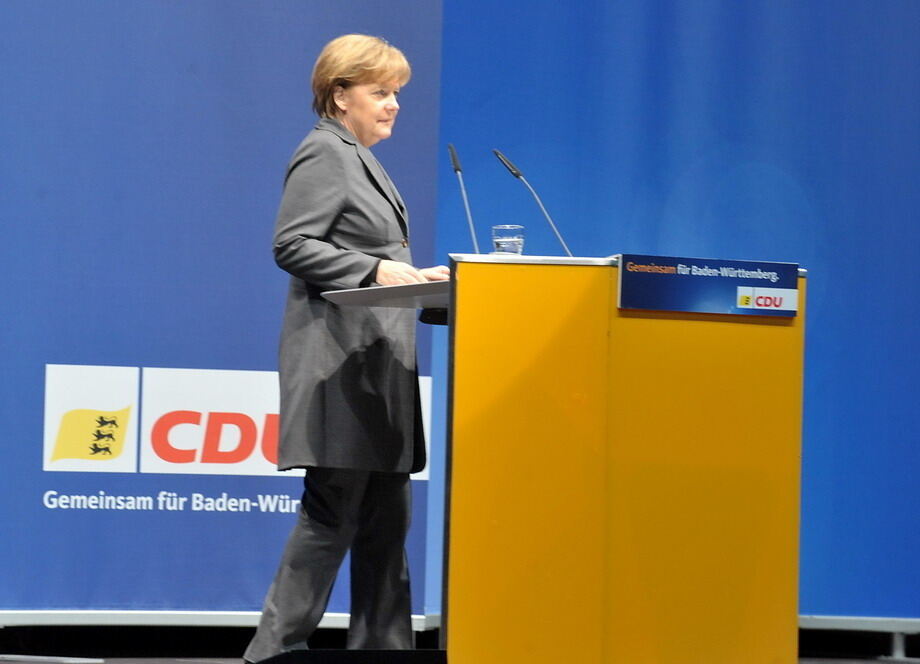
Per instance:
{"type": "Point", "coordinates": [349, 388]}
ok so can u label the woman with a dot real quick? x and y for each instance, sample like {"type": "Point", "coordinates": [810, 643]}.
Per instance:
{"type": "Point", "coordinates": [349, 389]}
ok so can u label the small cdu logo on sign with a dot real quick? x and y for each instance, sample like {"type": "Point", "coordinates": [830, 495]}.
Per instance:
{"type": "Point", "coordinates": [775, 299]}
{"type": "Point", "coordinates": [91, 434]}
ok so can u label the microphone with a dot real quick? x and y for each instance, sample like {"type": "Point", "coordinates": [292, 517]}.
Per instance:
{"type": "Point", "coordinates": [520, 176]}
{"type": "Point", "coordinates": [455, 164]}
{"type": "Point", "coordinates": [511, 167]}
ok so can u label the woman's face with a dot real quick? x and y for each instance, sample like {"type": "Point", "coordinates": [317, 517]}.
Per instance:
{"type": "Point", "coordinates": [368, 110]}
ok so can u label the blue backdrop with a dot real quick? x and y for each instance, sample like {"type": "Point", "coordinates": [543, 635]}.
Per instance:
{"type": "Point", "coordinates": [142, 151]}
{"type": "Point", "coordinates": [768, 130]}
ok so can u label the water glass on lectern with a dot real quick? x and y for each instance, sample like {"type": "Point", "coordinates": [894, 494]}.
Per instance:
{"type": "Point", "coordinates": [508, 239]}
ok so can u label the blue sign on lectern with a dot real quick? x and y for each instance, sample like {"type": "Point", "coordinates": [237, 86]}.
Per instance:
{"type": "Point", "coordinates": [703, 285]}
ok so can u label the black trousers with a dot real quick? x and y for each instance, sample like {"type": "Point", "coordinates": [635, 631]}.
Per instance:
{"type": "Point", "coordinates": [367, 512]}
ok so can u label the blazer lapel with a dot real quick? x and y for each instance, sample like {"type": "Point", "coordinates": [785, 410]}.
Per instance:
{"type": "Point", "coordinates": [384, 184]}
{"type": "Point", "coordinates": [378, 175]}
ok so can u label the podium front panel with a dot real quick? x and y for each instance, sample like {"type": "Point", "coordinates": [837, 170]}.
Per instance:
{"type": "Point", "coordinates": [623, 485]}
{"type": "Point", "coordinates": [703, 487]}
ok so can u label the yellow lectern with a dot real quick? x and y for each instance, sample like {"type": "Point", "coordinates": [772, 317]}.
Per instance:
{"type": "Point", "coordinates": [623, 485]}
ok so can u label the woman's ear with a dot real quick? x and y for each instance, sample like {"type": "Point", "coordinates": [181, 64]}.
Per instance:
{"type": "Point", "coordinates": [338, 96]}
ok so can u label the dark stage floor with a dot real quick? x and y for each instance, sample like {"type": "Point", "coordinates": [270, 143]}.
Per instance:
{"type": "Point", "coordinates": [13, 659]}
{"type": "Point", "coordinates": [8, 659]}
{"type": "Point", "coordinates": [223, 645]}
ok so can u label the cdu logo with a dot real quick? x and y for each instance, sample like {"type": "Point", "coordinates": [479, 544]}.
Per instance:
{"type": "Point", "coordinates": [777, 299]}
{"type": "Point", "coordinates": [160, 420]}
{"type": "Point", "coordinates": [169, 421]}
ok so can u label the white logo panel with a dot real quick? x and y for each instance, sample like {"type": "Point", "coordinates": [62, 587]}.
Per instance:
{"type": "Point", "coordinates": [90, 418]}
{"type": "Point", "coordinates": [170, 421]}
{"type": "Point", "coordinates": [778, 299]}
{"type": "Point", "coordinates": [209, 422]}
{"type": "Point", "coordinates": [424, 388]}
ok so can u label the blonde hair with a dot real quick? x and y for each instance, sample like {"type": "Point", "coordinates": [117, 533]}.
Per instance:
{"type": "Point", "coordinates": [355, 60]}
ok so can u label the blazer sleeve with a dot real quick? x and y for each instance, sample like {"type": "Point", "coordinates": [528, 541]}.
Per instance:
{"type": "Point", "coordinates": [315, 194]}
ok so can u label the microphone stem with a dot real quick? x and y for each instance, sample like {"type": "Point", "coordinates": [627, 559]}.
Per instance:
{"type": "Point", "coordinates": [469, 217]}
{"type": "Point", "coordinates": [546, 214]}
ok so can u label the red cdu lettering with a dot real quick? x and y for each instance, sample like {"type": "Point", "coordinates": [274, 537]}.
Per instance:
{"type": "Point", "coordinates": [159, 436]}
{"type": "Point", "coordinates": [270, 438]}
{"type": "Point", "coordinates": [768, 301]}
{"type": "Point", "coordinates": [211, 452]}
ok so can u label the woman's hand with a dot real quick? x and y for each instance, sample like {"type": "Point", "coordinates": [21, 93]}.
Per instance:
{"type": "Point", "coordinates": [436, 273]}
{"type": "Point", "coordinates": [395, 273]}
